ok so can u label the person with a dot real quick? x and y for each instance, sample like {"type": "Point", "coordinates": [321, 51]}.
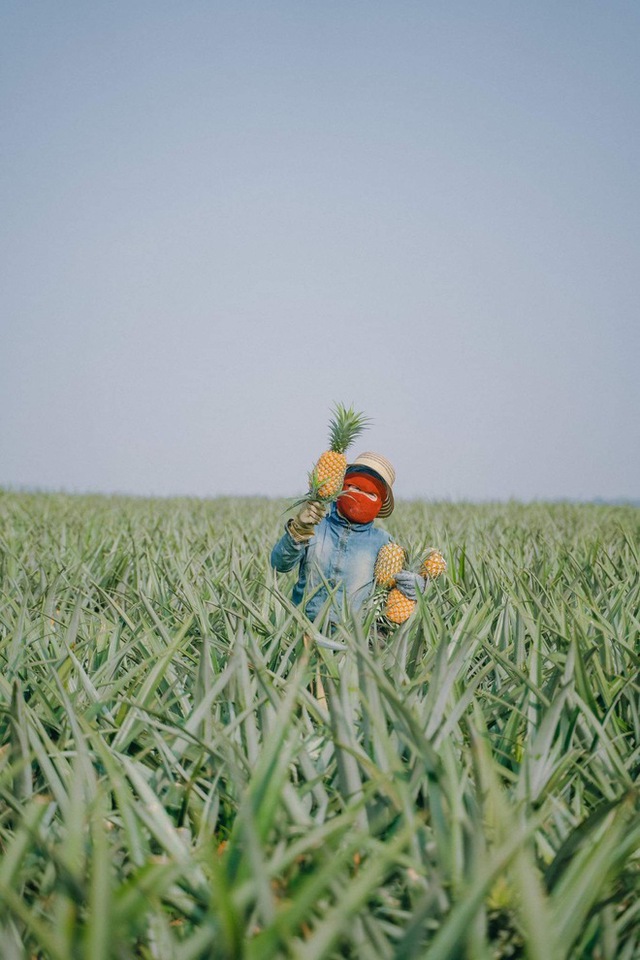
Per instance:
{"type": "Point", "coordinates": [336, 551]}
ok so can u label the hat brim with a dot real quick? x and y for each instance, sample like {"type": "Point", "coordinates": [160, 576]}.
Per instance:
{"type": "Point", "coordinates": [387, 507]}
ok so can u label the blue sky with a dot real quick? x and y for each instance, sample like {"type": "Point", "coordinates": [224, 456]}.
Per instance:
{"type": "Point", "coordinates": [221, 218]}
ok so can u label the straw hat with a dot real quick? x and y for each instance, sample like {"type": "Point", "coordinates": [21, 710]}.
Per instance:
{"type": "Point", "coordinates": [383, 469]}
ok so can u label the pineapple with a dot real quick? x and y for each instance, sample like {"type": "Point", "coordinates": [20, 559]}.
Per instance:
{"type": "Point", "coordinates": [398, 608]}
{"type": "Point", "coordinates": [328, 476]}
{"type": "Point", "coordinates": [433, 564]}
{"type": "Point", "coordinates": [390, 560]}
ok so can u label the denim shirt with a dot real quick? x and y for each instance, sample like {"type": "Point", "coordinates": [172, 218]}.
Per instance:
{"type": "Point", "coordinates": [338, 559]}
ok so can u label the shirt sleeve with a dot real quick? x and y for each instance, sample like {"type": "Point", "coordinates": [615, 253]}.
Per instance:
{"type": "Point", "coordinates": [287, 553]}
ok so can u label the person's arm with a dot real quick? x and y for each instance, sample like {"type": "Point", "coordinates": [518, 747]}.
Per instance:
{"type": "Point", "coordinates": [287, 552]}
{"type": "Point", "coordinates": [291, 546]}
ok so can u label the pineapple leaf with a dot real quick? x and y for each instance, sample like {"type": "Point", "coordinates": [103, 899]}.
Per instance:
{"type": "Point", "coordinates": [344, 426]}
{"type": "Point", "coordinates": [314, 493]}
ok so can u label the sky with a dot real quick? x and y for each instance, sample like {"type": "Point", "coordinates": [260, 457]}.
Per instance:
{"type": "Point", "coordinates": [218, 219]}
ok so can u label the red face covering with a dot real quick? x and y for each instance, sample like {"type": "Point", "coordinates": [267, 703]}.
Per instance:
{"type": "Point", "coordinates": [361, 498]}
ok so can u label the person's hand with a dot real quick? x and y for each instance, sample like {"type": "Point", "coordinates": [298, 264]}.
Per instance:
{"type": "Point", "coordinates": [303, 524]}
{"type": "Point", "coordinates": [310, 513]}
{"type": "Point", "coordinates": [410, 584]}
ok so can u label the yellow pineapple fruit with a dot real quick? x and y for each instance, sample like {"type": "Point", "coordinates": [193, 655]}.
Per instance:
{"type": "Point", "coordinates": [433, 565]}
{"type": "Point", "coordinates": [398, 608]}
{"type": "Point", "coordinates": [390, 560]}
{"type": "Point", "coordinates": [328, 476]}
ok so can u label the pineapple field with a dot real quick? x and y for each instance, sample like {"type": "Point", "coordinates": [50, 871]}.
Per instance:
{"type": "Point", "coordinates": [184, 776]}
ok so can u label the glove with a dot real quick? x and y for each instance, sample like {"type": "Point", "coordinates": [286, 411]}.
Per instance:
{"type": "Point", "coordinates": [410, 584]}
{"type": "Point", "coordinates": [302, 526]}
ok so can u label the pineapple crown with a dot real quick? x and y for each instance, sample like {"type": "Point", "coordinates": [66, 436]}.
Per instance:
{"type": "Point", "coordinates": [344, 426]}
